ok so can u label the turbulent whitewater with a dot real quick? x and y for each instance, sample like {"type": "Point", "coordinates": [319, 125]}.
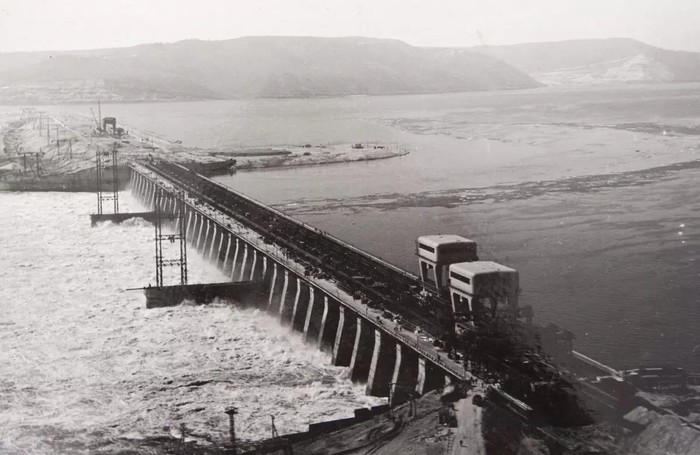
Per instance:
{"type": "Point", "coordinates": [85, 366]}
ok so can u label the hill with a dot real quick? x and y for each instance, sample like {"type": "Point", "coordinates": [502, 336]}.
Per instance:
{"type": "Point", "coordinates": [251, 67]}
{"type": "Point", "coordinates": [587, 62]}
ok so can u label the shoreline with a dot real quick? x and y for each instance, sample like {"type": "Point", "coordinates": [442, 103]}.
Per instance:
{"type": "Point", "coordinates": [620, 85]}
{"type": "Point", "coordinates": [63, 158]}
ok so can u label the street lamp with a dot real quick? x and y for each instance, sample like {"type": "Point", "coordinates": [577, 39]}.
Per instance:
{"type": "Point", "coordinates": [232, 411]}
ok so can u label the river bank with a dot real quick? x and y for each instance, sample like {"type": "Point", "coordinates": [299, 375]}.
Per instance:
{"type": "Point", "coordinates": [42, 152]}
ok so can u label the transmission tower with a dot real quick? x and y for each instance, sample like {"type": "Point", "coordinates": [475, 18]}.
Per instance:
{"type": "Point", "coordinates": [40, 170]}
{"type": "Point", "coordinates": [102, 161]}
{"type": "Point", "coordinates": [178, 217]}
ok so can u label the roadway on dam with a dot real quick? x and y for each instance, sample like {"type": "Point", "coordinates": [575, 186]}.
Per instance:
{"type": "Point", "coordinates": [403, 331]}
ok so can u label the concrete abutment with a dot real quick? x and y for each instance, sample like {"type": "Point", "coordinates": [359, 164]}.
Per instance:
{"type": "Point", "coordinates": [301, 302]}
{"type": "Point", "coordinates": [404, 378]}
{"type": "Point", "coordinates": [382, 365]}
{"type": "Point", "coordinates": [313, 318]}
{"type": "Point", "coordinates": [329, 324]}
{"type": "Point", "coordinates": [289, 292]}
{"type": "Point", "coordinates": [363, 346]}
{"type": "Point", "coordinates": [429, 377]}
{"type": "Point", "coordinates": [344, 338]}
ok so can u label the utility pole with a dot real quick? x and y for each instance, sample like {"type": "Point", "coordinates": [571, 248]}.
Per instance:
{"type": "Point", "coordinates": [99, 112]}
{"type": "Point", "coordinates": [115, 178]}
{"type": "Point", "coordinates": [392, 391]}
{"type": "Point", "coordinates": [275, 434]}
{"type": "Point", "coordinates": [98, 178]}
{"type": "Point", "coordinates": [283, 442]}
{"type": "Point", "coordinates": [70, 148]}
{"type": "Point", "coordinates": [232, 411]}
{"type": "Point", "coordinates": [48, 131]}
{"type": "Point", "coordinates": [183, 432]}
{"type": "Point", "coordinates": [58, 144]}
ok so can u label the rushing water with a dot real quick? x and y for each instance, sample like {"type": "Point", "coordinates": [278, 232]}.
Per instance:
{"type": "Point", "coordinates": [84, 363]}
{"type": "Point", "coordinates": [575, 188]}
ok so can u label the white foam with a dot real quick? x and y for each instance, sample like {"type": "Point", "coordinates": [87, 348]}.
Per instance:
{"type": "Point", "coordinates": [84, 360]}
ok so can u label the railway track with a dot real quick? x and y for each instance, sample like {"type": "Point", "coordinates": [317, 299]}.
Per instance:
{"type": "Point", "coordinates": [378, 283]}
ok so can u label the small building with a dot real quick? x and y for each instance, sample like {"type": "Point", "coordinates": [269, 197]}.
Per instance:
{"type": "Point", "coordinates": [436, 253]}
{"type": "Point", "coordinates": [112, 121]}
{"type": "Point", "coordinates": [658, 378]}
{"type": "Point", "coordinates": [482, 285]}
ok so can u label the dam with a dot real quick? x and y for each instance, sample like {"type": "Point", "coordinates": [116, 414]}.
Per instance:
{"type": "Point", "coordinates": [343, 300]}
{"type": "Point", "coordinates": [396, 332]}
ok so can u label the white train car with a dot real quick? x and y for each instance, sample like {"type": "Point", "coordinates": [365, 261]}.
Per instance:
{"type": "Point", "coordinates": [436, 253]}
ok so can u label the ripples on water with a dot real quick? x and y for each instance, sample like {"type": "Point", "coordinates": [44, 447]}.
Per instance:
{"type": "Point", "coordinates": [84, 363]}
{"type": "Point", "coordinates": [615, 260]}
{"type": "Point", "coordinates": [617, 264]}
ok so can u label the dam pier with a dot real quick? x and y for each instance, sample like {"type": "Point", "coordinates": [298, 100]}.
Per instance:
{"type": "Point", "coordinates": [304, 287]}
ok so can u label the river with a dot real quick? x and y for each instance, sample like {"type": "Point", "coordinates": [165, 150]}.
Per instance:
{"type": "Point", "coordinates": [85, 366]}
{"type": "Point", "coordinates": [570, 186]}
{"type": "Point", "coordinates": [592, 194]}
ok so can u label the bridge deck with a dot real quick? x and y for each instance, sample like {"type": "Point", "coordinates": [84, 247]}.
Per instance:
{"type": "Point", "coordinates": [359, 281]}
{"type": "Point", "coordinates": [370, 278]}
{"type": "Point", "coordinates": [349, 291]}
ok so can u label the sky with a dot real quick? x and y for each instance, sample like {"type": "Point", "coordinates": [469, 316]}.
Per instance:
{"type": "Point", "coordinates": [32, 25]}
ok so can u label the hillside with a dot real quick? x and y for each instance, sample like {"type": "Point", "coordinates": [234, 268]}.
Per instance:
{"type": "Point", "coordinates": [249, 68]}
{"type": "Point", "coordinates": [588, 62]}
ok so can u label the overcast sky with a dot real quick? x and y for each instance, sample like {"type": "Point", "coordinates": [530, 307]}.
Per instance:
{"type": "Point", "coordinates": [29, 25]}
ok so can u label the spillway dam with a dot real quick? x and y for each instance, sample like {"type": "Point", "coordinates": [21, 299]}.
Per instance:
{"type": "Point", "coordinates": [342, 299]}
{"type": "Point", "coordinates": [395, 331]}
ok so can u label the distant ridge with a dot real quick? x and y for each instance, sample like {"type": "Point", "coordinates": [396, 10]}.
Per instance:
{"type": "Point", "coordinates": [251, 67]}
{"type": "Point", "coordinates": [601, 61]}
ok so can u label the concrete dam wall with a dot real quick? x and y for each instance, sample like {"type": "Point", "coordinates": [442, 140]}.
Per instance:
{"type": "Point", "coordinates": [84, 180]}
{"type": "Point", "coordinates": [378, 351]}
